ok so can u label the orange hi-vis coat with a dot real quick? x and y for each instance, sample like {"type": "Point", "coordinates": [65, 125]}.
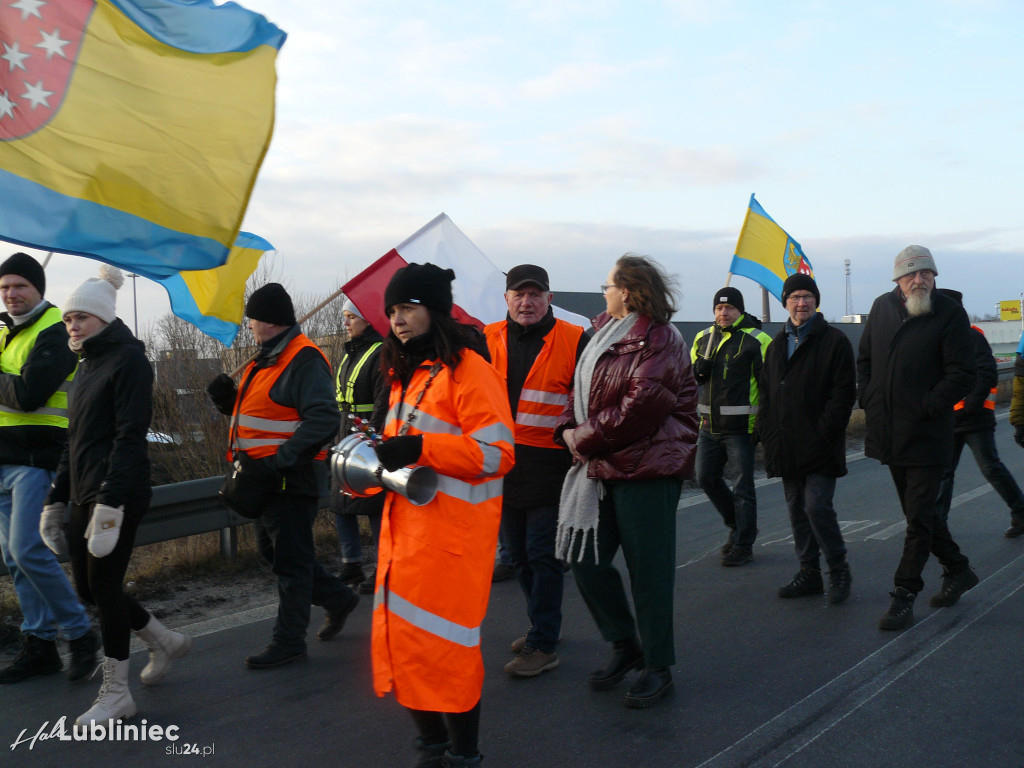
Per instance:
{"type": "Point", "coordinates": [259, 425]}
{"type": "Point", "coordinates": [545, 391]}
{"type": "Point", "coordinates": [435, 562]}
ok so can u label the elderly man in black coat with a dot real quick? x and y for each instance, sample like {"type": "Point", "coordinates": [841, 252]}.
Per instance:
{"type": "Point", "coordinates": [914, 364]}
{"type": "Point", "coordinates": [807, 390]}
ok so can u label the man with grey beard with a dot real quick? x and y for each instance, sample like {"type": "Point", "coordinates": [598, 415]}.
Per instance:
{"type": "Point", "coordinates": [913, 366]}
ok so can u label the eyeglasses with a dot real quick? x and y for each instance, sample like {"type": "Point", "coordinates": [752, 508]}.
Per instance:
{"type": "Point", "coordinates": [605, 287]}
{"type": "Point", "coordinates": [801, 299]}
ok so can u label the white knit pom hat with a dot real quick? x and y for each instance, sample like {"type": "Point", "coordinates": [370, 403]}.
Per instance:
{"type": "Point", "coordinates": [97, 295]}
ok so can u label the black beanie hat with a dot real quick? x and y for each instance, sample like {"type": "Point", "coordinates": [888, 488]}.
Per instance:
{"type": "Point", "coordinates": [425, 284]}
{"type": "Point", "coordinates": [23, 265]}
{"type": "Point", "coordinates": [800, 282]}
{"type": "Point", "coordinates": [271, 304]}
{"type": "Point", "coordinates": [728, 295]}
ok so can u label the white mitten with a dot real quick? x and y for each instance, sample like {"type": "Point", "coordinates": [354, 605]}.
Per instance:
{"type": "Point", "coordinates": [51, 528]}
{"type": "Point", "coordinates": [104, 529]}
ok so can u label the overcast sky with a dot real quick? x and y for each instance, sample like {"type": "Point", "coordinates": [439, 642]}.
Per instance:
{"type": "Point", "coordinates": [566, 132]}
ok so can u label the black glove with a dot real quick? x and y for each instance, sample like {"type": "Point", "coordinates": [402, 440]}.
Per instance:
{"type": "Point", "coordinates": [398, 452]}
{"type": "Point", "coordinates": [222, 391]}
{"type": "Point", "coordinates": [702, 367]}
{"type": "Point", "coordinates": [1018, 435]}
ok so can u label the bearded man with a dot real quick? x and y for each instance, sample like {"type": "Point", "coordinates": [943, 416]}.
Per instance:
{"type": "Point", "coordinates": [913, 366]}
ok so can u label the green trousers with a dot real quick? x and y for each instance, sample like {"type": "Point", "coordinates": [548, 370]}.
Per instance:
{"type": "Point", "coordinates": [639, 517]}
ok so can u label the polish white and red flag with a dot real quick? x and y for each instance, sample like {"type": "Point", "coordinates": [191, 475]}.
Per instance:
{"type": "Point", "coordinates": [478, 289]}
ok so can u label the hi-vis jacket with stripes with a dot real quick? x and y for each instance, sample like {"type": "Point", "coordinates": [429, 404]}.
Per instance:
{"type": "Point", "coordinates": [977, 410]}
{"type": "Point", "coordinates": [546, 389]}
{"type": "Point", "coordinates": [36, 369]}
{"type": "Point", "coordinates": [435, 561]}
{"type": "Point", "coordinates": [728, 395]}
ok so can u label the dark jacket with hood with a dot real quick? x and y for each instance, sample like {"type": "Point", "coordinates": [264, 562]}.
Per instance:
{"type": "Point", "coordinates": [911, 371]}
{"type": "Point", "coordinates": [974, 416]}
{"type": "Point", "coordinates": [806, 400]}
{"type": "Point", "coordinates": [642, 410]}
{"type": "Point", "coordinates": [48, 364]}
{"type": "Point", "coordinates": [110, 405]}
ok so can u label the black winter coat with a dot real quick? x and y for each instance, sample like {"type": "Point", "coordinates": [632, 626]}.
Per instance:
{"type": "Point", "coordinates": [974, 416]}
{"type": "Point", "coordinates": [806, 402]}
{"type": "Point", "coordinates": [110, 405]}
{"type": "Point", "coordinates": [911, 371]}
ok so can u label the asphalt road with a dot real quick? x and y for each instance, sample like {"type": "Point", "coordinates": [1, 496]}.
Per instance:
{"type": "Point", "coordinates": [758, 682]}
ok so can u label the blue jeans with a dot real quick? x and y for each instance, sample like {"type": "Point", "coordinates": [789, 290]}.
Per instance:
{"type": "Point", "coordinates": [738, 507]}
{"type": "Point", "coordinates": [284, 536]}
{"type": "Point", "coordinates": [530, 535]}
{"type": "Point", "coordinates": [982, 443]}
{"type": "Point", "coordinates": [348, 536]}
{"type": "Point", "coordinates": [44, 592]}
{"type": "Point", "coordinates": [815, 528]}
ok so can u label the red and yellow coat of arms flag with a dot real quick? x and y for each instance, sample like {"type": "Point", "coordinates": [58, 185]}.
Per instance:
{"type": "Point", "coordinates": [131, 131]}
{"type": "Point", "coordinates": [766, 253]}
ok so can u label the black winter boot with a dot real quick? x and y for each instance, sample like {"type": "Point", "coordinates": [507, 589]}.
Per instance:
{"type": "Point", "coordinates": [37, 657]}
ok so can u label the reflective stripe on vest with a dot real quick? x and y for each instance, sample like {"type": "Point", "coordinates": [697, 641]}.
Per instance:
{"type": "Point", "coordinates": [14, 355]}
{"type": "Point", "coordinates": [347, 402]}
{"type": "Point", "coordinates": [259, 425]}
{"type": "Point", "coordinates": [421, 618]}
{"type": "Point", "coordinates": [545, 391]}
{"type": "Point", "coordinates": [730, 410]}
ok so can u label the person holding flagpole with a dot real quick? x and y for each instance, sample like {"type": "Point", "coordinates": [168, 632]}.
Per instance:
{"type": "Point", "coordinates": [448, 410]}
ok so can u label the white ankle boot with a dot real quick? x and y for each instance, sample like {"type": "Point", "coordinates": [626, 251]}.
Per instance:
{"type": "Point", "coordinates": [115, 700]}
{"type": "Point", "coordinates": [164, 645]}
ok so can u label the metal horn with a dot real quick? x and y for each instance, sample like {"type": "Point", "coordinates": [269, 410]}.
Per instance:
{"type": "Point", "coordinates": [357, 469]}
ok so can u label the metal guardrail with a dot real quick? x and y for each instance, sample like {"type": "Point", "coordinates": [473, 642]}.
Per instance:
{"type": "Point", "coordinates": [193, 507]}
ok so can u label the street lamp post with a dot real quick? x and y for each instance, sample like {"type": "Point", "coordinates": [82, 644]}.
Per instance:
{"type": "Point", "coordinates": [135, 303]}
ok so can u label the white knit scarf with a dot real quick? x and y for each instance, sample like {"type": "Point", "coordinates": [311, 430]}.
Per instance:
{"type": "Point", "coordinates": [577, 507]}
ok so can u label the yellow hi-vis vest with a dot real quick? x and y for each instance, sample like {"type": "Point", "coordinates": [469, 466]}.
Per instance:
{"type": "Point", "coordinates": [14, 353]}
{"type": "Point", "coordinates": [346, 396]}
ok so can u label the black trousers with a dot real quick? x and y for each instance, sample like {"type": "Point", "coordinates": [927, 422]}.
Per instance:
{"type": "Point", "coordinates": [99, 580]}
{"type": "Point", "coordinates": [927, 532]}
{"type": "Point", "coordinates": [284, 535]}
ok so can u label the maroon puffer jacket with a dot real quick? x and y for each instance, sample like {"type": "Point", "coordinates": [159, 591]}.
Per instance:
{"type": "Point", "coordinates": [643, 407]}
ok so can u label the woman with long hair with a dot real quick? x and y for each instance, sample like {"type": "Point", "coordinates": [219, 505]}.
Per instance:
{"type": "Point", "coordinates": [631, 425]}
{"type": "Point", "coordinates": [448, 410]}
{"type": "Point", "coordinates": [103, 487]}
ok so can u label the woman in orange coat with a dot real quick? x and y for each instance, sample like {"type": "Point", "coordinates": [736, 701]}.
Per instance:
{"type": "Point", "coordinates": [449, 411]}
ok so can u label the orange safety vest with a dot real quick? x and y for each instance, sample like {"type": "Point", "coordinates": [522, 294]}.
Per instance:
{"type": "Point", "coordinates": [990, 401]}
{"type": "Point", "coordinates": [545, 391]}
{"type": "Point", "coordinates": [435, 562]}
{"type": "Point", "coordinates": [258, 424]}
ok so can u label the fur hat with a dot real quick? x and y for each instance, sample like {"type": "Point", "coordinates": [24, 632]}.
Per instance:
{"type": "Point", "coordinates": [97, 295]}
{"type": "Point", "coordinates": [23, 265]}
{"type": "Point", "coordinates": [425, 284]}
{"type": "Point", "coordinates": [728, 295]}
{"type": "Point", "coordinates": [798, 281]}
{"type": "Point", "coordinates": [911, 259]}
{"type": "Point", "coordinates": [271, 304]}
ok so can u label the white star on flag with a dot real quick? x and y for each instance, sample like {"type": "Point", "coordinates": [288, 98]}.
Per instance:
{"type": "Point", "coordinates": [29, 8]}
{"type": "Point", "coordinates": [15, 58]}
{"type": "Point", "coordinates": [36, 95]}
{"type": "Point", "coordinates": [6, 105]}
{"type": "Point", "coordinates": [52, 44]}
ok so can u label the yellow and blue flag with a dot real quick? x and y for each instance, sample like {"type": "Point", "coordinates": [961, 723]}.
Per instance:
{"type": "Point", "coordinates": [765, 253]}
{"type": "Point", "coordinates": [131, 131]}
{"type": "Point", "coordinates": [213, 300]}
